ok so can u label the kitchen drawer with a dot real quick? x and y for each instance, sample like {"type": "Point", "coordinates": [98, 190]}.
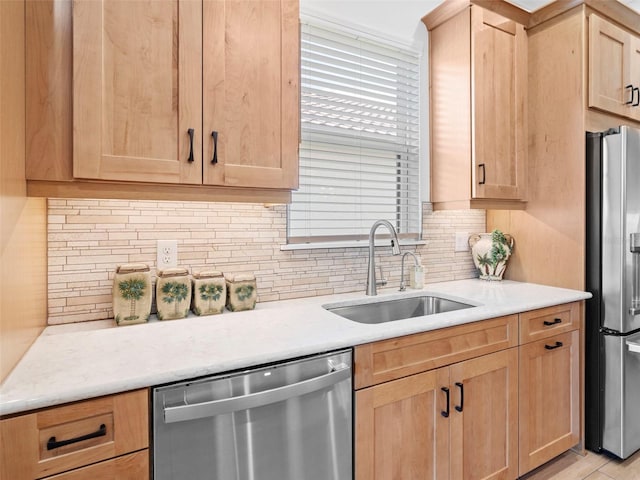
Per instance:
{"type": "Point", "coordinates": [546, 322]}
{"type": "Point", "coordinates": [398, 357]}
{"type": "Point", "coordinates": [122, 422]}
{"type": "Point", "coordinates": [134, 466]}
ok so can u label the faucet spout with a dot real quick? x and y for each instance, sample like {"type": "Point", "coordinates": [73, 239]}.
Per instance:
{"type": "Point", "coordinates": [395, 250]}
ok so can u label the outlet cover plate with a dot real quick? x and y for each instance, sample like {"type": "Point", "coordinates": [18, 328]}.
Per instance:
{"type": "Point", "coordinates": [167, 254]}
{"type": "Point", "coordinates": [462, 242]}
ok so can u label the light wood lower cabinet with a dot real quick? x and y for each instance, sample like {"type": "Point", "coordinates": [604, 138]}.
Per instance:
{"type": "Point", "coordinates": [440, 404]}
{"type": "Point", "coordinates": [400, 430]}
{"type": "Point", "coordinates": [549, 398]}
{"type": "Point", "coordinates": [484, 417]}
{"type": "Point", "coordinates": [399, 357]}
{"type": "Point", "coordinates": [469, 402]}
{"type": "Point", "coordinates": [134, 466]}
{"type": "Point", "coordinates": [457, 422]}
{"type": "Point", "coordinates": [99, 434]}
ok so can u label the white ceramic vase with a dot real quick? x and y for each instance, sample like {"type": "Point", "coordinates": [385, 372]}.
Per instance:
{"type": "Point", "coordinates": [490, 252]}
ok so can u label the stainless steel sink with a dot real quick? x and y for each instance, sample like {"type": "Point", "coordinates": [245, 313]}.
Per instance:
{"type": "Point", "coordinates": [398, 309]}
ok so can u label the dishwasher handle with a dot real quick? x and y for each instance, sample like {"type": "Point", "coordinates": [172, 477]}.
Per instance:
{"type": "Point", "coordinates": [184, 413]}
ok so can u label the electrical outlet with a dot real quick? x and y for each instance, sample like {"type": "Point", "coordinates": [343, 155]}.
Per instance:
{"type": "Point", "coordinates": [462, 242]}
{"type": "Point", "coordinates": [167, 254]}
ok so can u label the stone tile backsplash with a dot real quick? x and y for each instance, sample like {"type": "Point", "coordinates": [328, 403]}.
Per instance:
{"type": "Point", "coordinates": [88, 238]}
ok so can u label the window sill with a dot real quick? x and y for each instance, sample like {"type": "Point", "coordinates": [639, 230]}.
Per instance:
{"type": "Point", "coordinates": [347, 244]}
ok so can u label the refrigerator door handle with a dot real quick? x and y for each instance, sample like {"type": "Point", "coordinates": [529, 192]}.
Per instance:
{"type": "Point", "coordinates": [634, 309]}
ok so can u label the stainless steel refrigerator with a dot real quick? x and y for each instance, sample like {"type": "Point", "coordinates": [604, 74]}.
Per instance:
{"type": "Point", "coordinates": [612, 361]}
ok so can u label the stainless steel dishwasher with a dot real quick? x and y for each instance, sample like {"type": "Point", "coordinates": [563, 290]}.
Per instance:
{"type": "Point", "coordinates": [288, 421]}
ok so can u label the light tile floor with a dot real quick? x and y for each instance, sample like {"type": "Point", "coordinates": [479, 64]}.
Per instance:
{"type": "Point", "coordinates": [571, 466]}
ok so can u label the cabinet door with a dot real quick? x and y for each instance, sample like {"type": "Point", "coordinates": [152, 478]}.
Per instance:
{"type": "Point", "coordinates": [400, 430]}
{"type": "Point", "coordinates": [549, 399]}
{"type": "Point", "coordinates": [137, 90]}
{"type": "Point", "coordinates": [499, 82]}
{"type": "Point", "coordinates": [634, 78]}
{"type": "Point", "coordinates": [484, 417]}
{"type": "Point", "coordinates": [609, 61]}
{"type": "Point", "coordinates": [251, 72]}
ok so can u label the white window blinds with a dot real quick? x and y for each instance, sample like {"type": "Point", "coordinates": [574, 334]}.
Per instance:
{"type": "Point", "coordinates": [360, 138]}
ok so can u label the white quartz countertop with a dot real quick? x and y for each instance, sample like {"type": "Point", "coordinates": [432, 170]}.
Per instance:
{"type": "Point", "coordinates": [79, 361]}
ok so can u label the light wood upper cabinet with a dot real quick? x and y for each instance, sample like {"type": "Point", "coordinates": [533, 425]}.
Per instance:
{"type": "Point", "coordinates": [499, 79]}
{"type": "Point", "coordinates": [478, 81]}
{"type": "Point", "coordinates": [187, 92]}
{"type": "Point", "coordinates": [614, 69]}
{"type": "Point", "coordinates": [137, 90]}
{"type": "Point", "coordinates": [251, 72]}
{"type": "Point", "coordinates": [634, 74]}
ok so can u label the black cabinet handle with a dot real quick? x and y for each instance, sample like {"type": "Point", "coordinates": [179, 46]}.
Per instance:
{"type": "Point", "coordinates": [632, 92]}
{"type": "Point", "coordinates": [553, 347]}
{"type": "Point", "coordinates": [214, 134]}
{"type": "Point", "coordinates": [637, 102]}
{"type": "Point", "coordinates": [461, 406]}
{"type": "Point", "coordinates": [52, 443]}
{"type": "Point", "coordinates": [190, 132]}
{"type": "Point", "coordinates": [481, 182]}
{"type": "Point", "coordinates": [445, 413]}
{"type": "Point", "coordinates": [555, 322]}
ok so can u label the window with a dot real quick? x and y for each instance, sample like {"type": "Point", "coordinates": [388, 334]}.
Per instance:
{"type": "Point", "coordinates": [359, 154]}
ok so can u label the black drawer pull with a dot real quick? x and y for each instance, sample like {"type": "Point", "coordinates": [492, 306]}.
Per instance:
{"type": "Point", "coordinates": [461, 406]}
{"type": "Point", "coordinates": [52, 443]}
{"type": "Point", "coordinates": [214, 134]}
{"type": "Point", "coordinates": [484, 178]}
{"type": "Point", "coordinates": [445, 413]}
{"type": "Point", "coordinates": [555, 322]}
{"type": "Point", "coordinates": [553, 347]}
{"type": "Point", "coordinates": [190, 132]}
{"type": "Point", "coordinates": [632, 92]}
{"type": "Point", "coordinates": [637, 102]}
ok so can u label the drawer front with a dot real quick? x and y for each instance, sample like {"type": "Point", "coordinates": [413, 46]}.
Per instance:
{"type": "Point", "coordinates": [546, 322]}
{"type": "Point", "coordinates": [62, 438]}
{"type": "Point", "coordinates": [398, 357]}
{"type": "Point", "coordinates": [134, 466]}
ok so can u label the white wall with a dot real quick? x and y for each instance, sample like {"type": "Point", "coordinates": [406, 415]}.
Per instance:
{"type": "Point", "coordinates": [398, 21]}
